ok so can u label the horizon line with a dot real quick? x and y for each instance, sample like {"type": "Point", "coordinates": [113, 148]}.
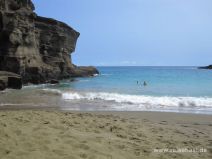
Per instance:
{"type": "Point", "coordinates": [147, 66]}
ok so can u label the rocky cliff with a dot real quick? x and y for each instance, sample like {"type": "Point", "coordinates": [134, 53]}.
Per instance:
{"type": "Point", "coordinates": [36, 48]}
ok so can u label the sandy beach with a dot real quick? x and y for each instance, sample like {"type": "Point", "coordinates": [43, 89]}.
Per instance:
{"type": "Point", "coordinates": [53, 134]}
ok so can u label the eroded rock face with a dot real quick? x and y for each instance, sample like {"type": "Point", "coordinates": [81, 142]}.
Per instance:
{"type": "Point", "coordinates": [35, 47]}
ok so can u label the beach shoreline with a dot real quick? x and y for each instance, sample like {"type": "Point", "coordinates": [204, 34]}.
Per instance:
{"type": "Point", "coordinates": [52, 133]}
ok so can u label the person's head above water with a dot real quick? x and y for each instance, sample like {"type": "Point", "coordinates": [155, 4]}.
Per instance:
{"type": "Point", "coordinates": [145, 83]}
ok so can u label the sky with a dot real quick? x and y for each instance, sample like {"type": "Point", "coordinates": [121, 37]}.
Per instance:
{"type": "Point", "coordinates": [136, 32]}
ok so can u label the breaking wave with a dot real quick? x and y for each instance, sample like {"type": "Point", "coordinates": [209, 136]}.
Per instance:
{"type": "Point", "coordinates": [141, 100]}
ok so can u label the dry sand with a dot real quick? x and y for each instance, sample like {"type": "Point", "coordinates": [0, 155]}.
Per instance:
{"type": "Point", "coordinates": [39, 134]}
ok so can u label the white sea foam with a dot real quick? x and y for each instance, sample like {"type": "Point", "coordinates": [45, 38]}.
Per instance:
{"type": "Point", "coordinates": [95, 74]}
{"type": "Point", "coordinates": [141, 100]}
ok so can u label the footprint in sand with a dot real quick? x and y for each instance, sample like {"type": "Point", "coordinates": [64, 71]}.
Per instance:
{"type": "Point", "coordinates": [140, 135]}
{"type": "Point", "coordinates": [121, 136]}
{"type": "Point", "coordinates": [185, 126]}
{"type": "Point", "coordinates": [135, 139]}
{"type": "Point", "coordinates": [59, 152]}
{"type": "Point", "coordinates": [145, 120]}
{"type": "Point", "coordinates": [18, 132]}
{"type": "Point", "coordinates": [195, 135]}
{"type": "Point", "coordinates": [123, 120]}
{"type": "Point", "coordinates": [209, 144]}
{"type": "Point", "coordinates": [83, 155]}
{"type": "Point", "coordinates": [83, 146]}
{"type": "Point", "coordinates": [99, 139]}
{"type": "Point", "coordinates": [121, 147]}
{"type": "Point", "coordinates": [163, 123]}
{"type": "Point", "coordinates": [137, 153]}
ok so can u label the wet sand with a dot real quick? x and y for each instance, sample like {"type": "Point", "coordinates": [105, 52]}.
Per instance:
{"type": "Point", "coordinates": [53, 134]}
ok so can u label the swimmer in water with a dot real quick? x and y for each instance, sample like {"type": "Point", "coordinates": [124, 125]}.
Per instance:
{"type": "Point", "coordinates": [145, 84]}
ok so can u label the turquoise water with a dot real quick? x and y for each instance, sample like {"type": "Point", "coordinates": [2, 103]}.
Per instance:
{"type": "Point", "coordinates": [161, 81]}
{"type": "Point", "coordinates": [172, 89]}
{"type": "Point", "coordinates": [175, 89]}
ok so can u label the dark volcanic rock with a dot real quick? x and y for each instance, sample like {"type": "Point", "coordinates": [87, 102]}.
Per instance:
{"type": "Point", "coordinates": [54, 81]}
{"type": "Point", "coordinates": [3, 85]}
{"type": "Point", "coordinates": [206, 67]}
{"type": "Point", "coordinates": [83, 71]}
{"type": "Point", "coordinates": [10, 80]}
{"type": "Point", "coordinates": [37, 48]}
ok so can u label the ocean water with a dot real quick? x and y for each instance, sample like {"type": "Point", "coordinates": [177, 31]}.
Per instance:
{"type": "Point", "coordinates": [172, 89]}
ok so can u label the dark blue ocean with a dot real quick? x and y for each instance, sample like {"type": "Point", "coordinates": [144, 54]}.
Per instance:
{"type": "Point", "coordinates": [172, 89]}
